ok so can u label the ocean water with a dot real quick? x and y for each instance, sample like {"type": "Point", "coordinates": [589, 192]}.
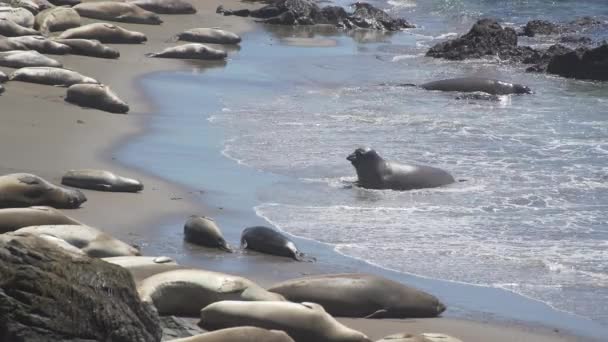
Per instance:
{"type": "Point", "coordinates": [531, 214]}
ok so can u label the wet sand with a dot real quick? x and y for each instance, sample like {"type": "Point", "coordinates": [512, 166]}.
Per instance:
{"type": "Point", "coordinates": [41, 134]}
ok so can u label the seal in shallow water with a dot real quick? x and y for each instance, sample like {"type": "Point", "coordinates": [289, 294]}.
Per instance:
{"type": "Point", "coordinates": [105, 33]}
{"type": "Point", "coordinates": [24, 190]}
{"type": "Point", "coordinates": [202, 230]}
{"type": "Point", "coordinates": [14, 218]}
{"type": "Point", "coordinates": [267, 240]}
{"type": "Point", "coordinates": [374, 172]}
{"type": "Point", "coordinates": [473, 84]}
{"type": "Point", "coordinates": [100, 180]}
{"type": "Point", "coordinates": [117, 11]}
{"type": "Point", "coordinates": [190, 51]}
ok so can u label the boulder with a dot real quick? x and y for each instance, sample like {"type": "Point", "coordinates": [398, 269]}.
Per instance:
{"type": "Point", "coordinates": [542, 27]}
{"type": "Point", "coordinates": [542, 61]}
{"type": "Point", "coordinates": [369, 17]}
{"type": "Point", "coordinates": [582, 63]}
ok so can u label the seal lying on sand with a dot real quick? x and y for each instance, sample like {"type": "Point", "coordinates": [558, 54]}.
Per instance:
{"type": "Point", "coordinates": [89, 47]}
{"type": "Point", "coordinates": [208, 35]}
{"type": "Point", "coordinates": [10, 29]}
{"type": "Point", "coordinates": [202, 230]}
{"type": "Point", "coordinates": [474, 84]}
{"type": "Point", "coordinates": [117, 11]}
{"type": "Point", "coordinates": [376, 173]}
{"type": "Point", "coordinates": [105, 33]}
{"type": "Point", "coordinates": [50, 76]}
{"type": "Point", "coordinates": [8, 45]}
{"type": "Point", "coordinates": [100, 180]}
{"type": "Point", "coordinates": [24, 190]}
{"type": "Point", "coordinates": [20, 59]}
{"type": "Point", "coordinates": [142, 267]}
{"type": "Point", "coordinates": [165, 6]}
{"type": "Point", "coordinates": [34, 6]}
{"type": "Point", "coordinates": [190, 51]}
{"type": "Point", "coordinates": [91, 241]}
{"type": "Point", "coordinates": [19, 16]}
{"type": "Point", "coordinates": [304, 322]}
{"type": "Point", "coordinates": [96, 96]}
{"type": "Point", "coordinates": [239, 334]}
{"type": "Point", "coordinates": [361, 295]}
{"type": "Point", "coordinates": [186, 292]}
{"type": "Point", "coordinates": [42, 45]}
{"type": "Point", "coordinates": [57, 19]}
{"type": "Point", "coordinates": [267, 240]}
{"type": "Point", "coordinates": [12, 219]}
{"type": "Point", "coordinates": [424, 337]}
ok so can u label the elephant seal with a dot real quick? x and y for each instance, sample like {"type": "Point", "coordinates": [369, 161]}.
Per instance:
{"type": "Point", "coordinates": [239, 334]}
{"type": "Point", "coordinates": [42, 45]}
{"type": "Point", "coordinates": [100, 180]}
{"type": "Point", "coordinates": [3, 77]}
{"type": "Point", "coordinates": [190, 51]}
{"type": "Point", "coordinates": [105, 33]}
{"type": "Point", "coordinates": [96, 96]}
{"type": "Point", "coordinates": [34, 6]}
{"type": "Point", "coordinates": [267, 240]}
{"type": "Point", "coordinates": [473, 84]}
{"type": "Point", "coordinates": [89, 240]}
{"type": "Point", "coordinates": [165, 6]}
{"type": "Point", "coordinates": [10, 29]}
{"type": "Point", "coordinates": [57, 19]}
{"type": "Point", "coordinates": [376, 173]}
{"type": "Point", "coordinates": [361, 295]}
{"type": "Point", "coordinates": [9, 45]}
{"type": "Point", "coordinates": [304, 322]}
{"type": "Point", "coordinates": [19, 16]}
{"type": "Point", "coordinates": [209, 35]}
{"type": "Point", "coordinates": [50, 76]}
{"type": "Point", "coordinates": [69, 3]}
{"type": "Point", "coordinates": [24, 190]}
{"type": "Point", "coordinates": [117, 11]}
{"type": "Point", "coordinates": [31, 58]}
{"type": "Point", "coordinates": [424, 337]}
{"type": "Point", "coordinates": [202, 230]}
{"type": "Point", "coordinates": [186, 292]}
{"type": "Point", "coordinates": [142, 267]}
{"type": "Point", "coordinates": [12, 219]}
{"type": "Point", "coordinates": [89, 47]}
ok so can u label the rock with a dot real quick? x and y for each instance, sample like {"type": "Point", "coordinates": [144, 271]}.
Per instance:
{"type": "Point", "coordinates": [543, 27]}
{"type": "Point", "coordinates": [370, 17]}
{"type": "Point", "coordinates": [542, 61]}
{"type": "Point", "coordinates": [585, 22]}
{"type": "Point", "coordinates": [582, 40]}
{"type": "Point", "coordinates": [47, 294]}
{"type": "Point", "coordinates": [178, 327]}
{"type": "Point", "coordinates": [582, 63]}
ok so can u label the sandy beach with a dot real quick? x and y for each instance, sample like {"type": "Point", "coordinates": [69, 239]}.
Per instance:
{"type": "Point", "coordinates": [43, 135]}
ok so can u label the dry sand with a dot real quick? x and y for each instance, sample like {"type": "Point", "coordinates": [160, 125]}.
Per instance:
{"type": "Point", "coordinates": [41, 134]}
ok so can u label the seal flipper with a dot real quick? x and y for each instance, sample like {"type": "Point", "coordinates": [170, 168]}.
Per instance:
{"type": "Point", "coordinates": [377, 314]}
{"type": "Point", "coordinates": [299, 256]}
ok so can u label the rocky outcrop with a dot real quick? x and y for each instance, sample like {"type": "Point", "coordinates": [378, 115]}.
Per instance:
{"type": "Point", "coordinates": [49, 294]}
{"type": "Point", "coordinates": [541, 27]}
{"type": "Point", "coordinates": [179, 327]}
{"type": "Point", "coordinates": [307, 12]}
{"type": "Point", "coordinates": [542, 61]}
{"type": "Point", "coordinates": [582, 63]}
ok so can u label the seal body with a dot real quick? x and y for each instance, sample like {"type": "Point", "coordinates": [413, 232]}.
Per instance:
{"type": "Point", "coordinates": [89, 240]}
{"type": "Point", "coordinates": [186, 292]}
{"type": "Point", "coordinates": [34, 6]}
{"type": "Point", "coordinates": [89, 47]}
{"type": "Point", "coordinates": [239, 334]}
{"type": "Point", "coordinates": [12, 219]}
{"type": "Point", "coordinates": [303, 322]}
{"type": "Point", "coordinates": [8, 28]}
{"type": "Point", "coordinates": [96, 96]}
{"type": "Point", "coordinates": [202, 230]}
{"type": "Point", "coordinates": [57, 19]}
{"type": "Point", "coordinates": [9, 45]}
{"type": "Point", "coordinates": [267, 240]}
{"type": "Point", "coordinates": [105, 33]}
{"type": "Point", "coordinates": [100, 180]}
{"type": "Point", "coordinates": [361, 295]}
{"type": "Point", "coordinates": [42, 45]}
{"type": "Point", "coordinates": [142, 267]}
{"type": "Point", "coordinates": [50, 76]}
{"type": "Point", "coordinates": [19, 16]}
{"type": "Point", "coordinates": [20, 59]}
{"type": "Point", "coordinates": [165, 6]}
{"type": "Point", "coordinates": [24, 190]}
{"type": "Point", "coordinates": [190, 51]}
{"type": "Point", "coordinates": [474, 84]}
{"type": "Point", "coordinates": [117, 11]}
{"type": "Point", "coordinates": [374, 172]}
{"type": "Point", "coordinates": [209, 35]}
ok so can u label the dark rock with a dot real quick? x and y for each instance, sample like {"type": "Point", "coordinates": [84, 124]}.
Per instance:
{"type": "Point", "coordinates": [585, 22]}
{"type": "Point", "coordinates": [576, 40]}
{"type": "Point", "coordinates": [541, 62]}
{"type": "Point", "coordinates": [582, 63]}
{"type": "Point", "coordinates": [178, 327]}
{"type": "Point", "coordinates": [239, 13]}
{"type": "Point", "coordinates": [370, 17]}
{"type": "Point", "coordinates": [49, 294]}
{"type": "Point", "coordinates": [543, 27]}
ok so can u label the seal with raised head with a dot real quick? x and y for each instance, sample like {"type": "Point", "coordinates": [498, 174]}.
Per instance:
{"type": "Point", "coordinates": [89, 240]}
{"type": "Point", "coordinates": [269, 241]}
{"type": "Point", "coordinates": [477, 84]}
{"type": "Point", "coordinates": [186, 292]}
{"type": "Point", "coordinates": [57, 19]}
{"type": "Point", "coordinates": [209, 35]}
{"type": "Point", "coordinates": [19, 16]}
{"type": "Point", "coordinates": [361, 295]}
{"type": "Point", "coordinates": [96, 96]}
{"type": "Point", "coordinates": [374, 172]}
{"type": "Point", "coordinates": [239, 334]}
{"type": "Point", "coordinates": [42, 45]}
{"type": "Point", "coordinates": [165, 6]}
{"type": "Point", "coordinates": [8, 28]}
{"type": "Point", "coordinates": [105, 33]}
{"type": "Point", "coordinates": [50, 76]}
{"type": "Point", "coordinates": [424, 337]}
{"type": "Point", "coordinates": [12, 219]}
{"type": "Point", "coordinates": [202, 230]}
{"type": "Point", "coordinates": [89, 47]}
{"type": "Point", "coordinates": [24, 190]}
{"type": "Point", "coordinates": [30, 58]}
{"type": "Point", "coordinates": [190, 51]}
{"type": "Point", "coordinates": [100, 180]}
{"type": "Point", "coordinates": [117, 11]}
{"type": "Point", "coordinates": [304, 322]}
